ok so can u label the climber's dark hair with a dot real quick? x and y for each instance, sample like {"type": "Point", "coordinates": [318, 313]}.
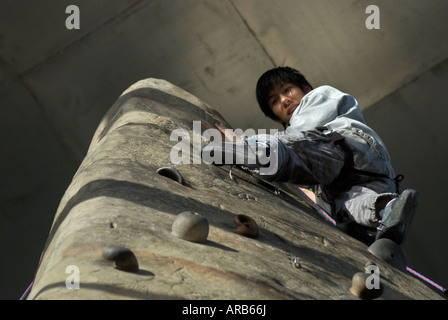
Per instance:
{"type": "Point", "coordinates": [274, 77]}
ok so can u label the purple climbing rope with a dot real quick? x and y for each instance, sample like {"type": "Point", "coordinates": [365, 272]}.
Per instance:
{"type": "Point", "coordinates": [315, 205]}
{"type": "Point", "coordinates": [438, 286]}
{"type": "Point", "coordinates": [27, 291]}
{"type": "Point", "coordinates": [327, 216]}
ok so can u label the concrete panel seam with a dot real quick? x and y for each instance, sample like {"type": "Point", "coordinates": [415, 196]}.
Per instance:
{"type": "Point", "coordinates": [254, 35]}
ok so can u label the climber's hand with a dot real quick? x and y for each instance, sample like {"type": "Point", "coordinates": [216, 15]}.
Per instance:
{"type": "Point", "coordinates": [228, 133]}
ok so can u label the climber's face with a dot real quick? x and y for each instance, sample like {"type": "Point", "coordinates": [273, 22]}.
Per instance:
{"type": "Point", "coordinates": [284, 99]}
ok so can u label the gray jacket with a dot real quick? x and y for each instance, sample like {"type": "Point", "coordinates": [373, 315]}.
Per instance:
{"type": "Point", "coordinates": [305, 155]}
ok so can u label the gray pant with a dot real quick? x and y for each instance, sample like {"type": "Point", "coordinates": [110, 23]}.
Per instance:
{"type": "Point", "coordinates": [312, 158]}
{"type": "Point", "coordinates": [358, 203]}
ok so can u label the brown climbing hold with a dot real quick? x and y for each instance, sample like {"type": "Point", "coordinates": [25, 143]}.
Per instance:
{"type": "Point", "coordinates": [361, 289]}
{"type": "Point", "coordinates": [245, 226]}
{"type": "Point", "coordinates": [124, 259]}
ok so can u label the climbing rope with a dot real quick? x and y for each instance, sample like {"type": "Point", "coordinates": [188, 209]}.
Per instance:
{"type": "Point", "coordinates": [438, 286]}
{"type": "Point", "coordinates": [315, 205]}
{"type": "Point", "coordinates": [27, 291]}
{"type": "Point", "coordinates": [327, 216]}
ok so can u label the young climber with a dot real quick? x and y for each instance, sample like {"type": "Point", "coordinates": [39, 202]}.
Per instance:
{"type": "Point", "coordinates": [326, 143]}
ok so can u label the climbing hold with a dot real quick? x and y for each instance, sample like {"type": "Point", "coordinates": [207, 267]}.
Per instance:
{"type": "Point", "coordinates": [124, 259]}
{"type": "Point", "coordinates": [245, 226]}
{"type": "Point", "coordinates": [390, 252]}
{"type": "Point", "coordinates": [296, 262]}
{"type": "Point", "coordinates": [171, 173]}
{"type": "Point", "coordinates": [191, 226]}
{"type": "Point", "coordinates": [360, 289]}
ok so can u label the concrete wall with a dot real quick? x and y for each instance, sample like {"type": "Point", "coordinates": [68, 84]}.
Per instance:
{"type": "Point", "coordinates": [118, 198]}
{"type": "Point", "coordinates": [56, 84]}
{"type": "Point", "coordinates": [35, 169]}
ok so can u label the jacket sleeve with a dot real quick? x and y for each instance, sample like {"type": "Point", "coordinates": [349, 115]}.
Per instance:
{"type": "Point", "coordinates": [304, 158]}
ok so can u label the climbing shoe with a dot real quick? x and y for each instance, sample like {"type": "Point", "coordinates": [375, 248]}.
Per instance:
{"type": "Point", "coordinates": [397, 217]}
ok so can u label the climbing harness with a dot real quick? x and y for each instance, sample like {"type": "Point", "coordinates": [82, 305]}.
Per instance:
{"type": "Point", "coordinates": [327, 217]}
